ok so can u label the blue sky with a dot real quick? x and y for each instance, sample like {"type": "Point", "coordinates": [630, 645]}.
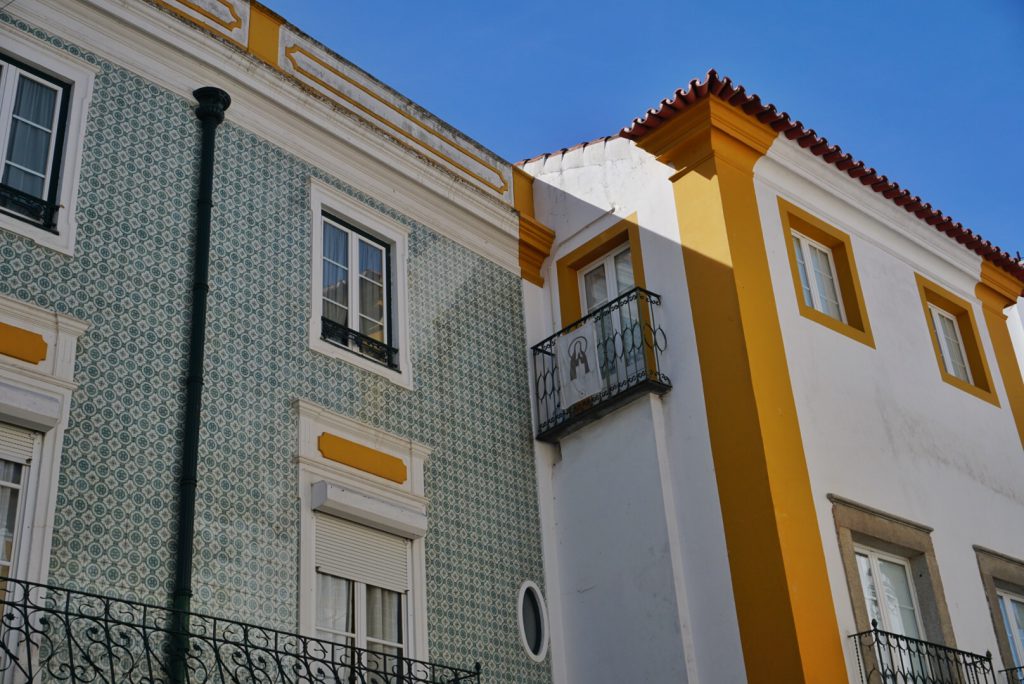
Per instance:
{"type": "Point", "coordinates": [929, 92]}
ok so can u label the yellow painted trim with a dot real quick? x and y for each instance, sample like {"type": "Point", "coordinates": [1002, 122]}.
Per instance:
{"type": "Point", "coordinates": [22, 344]}
{"type": "Point", "coordinates": [229, 27]}
{"type": "Point", "coordinates": [784, 604]}
{"type": "Point", "coordinates": [292, 50]}
{"type": "Point", "coordinates": [997, 290]}
{"type": "Point", "coordinates": [857, 326]}
{"type": "Point", "coordinates": [535, 239]}
{"type": "Point", "coordinates": [264, 33]}
{"type": "Point", "coordinates": [363, 458]}
{"type": "Point", "coordinates": [568, 267]}
{"type": "Point", "coordinates": [932, 293]}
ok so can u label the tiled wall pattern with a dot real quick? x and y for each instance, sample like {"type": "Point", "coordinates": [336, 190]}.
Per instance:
{"type": "Point", "coordinates": [130, 279]}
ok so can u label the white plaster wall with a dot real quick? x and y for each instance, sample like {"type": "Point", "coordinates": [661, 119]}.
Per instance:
{"type": "Point", "coordinates": [879, 426]}
{"type": "Point", "coordinates": [579, 194]}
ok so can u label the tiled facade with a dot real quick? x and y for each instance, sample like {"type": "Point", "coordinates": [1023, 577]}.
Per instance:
{"type": "Point", "coordinates": [130, 278]}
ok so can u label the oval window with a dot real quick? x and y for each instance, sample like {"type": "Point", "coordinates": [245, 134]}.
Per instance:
{"type": "Point", "coordinates": [533, 621]}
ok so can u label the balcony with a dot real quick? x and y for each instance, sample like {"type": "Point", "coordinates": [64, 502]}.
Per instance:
{"type": "Point", "coordinates": [1014, 675]}
{"type": "Point", "coordinates": [600, 362]}
{"type": "Point", "coordinates": [30, 208]}
{"type": "Point", "coordinates": [887, 658]}
{"type": "Point", "coordinates": [53, 634]}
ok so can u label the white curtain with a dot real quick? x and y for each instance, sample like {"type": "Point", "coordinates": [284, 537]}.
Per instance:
{"type": "Point", "coordinates": [383, 615]}
{"type": "Point", "coordinates": [335, 609]}
{"type": "Point", "coordinates": [31, 129]}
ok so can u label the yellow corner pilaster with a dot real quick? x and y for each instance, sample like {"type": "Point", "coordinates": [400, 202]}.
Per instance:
{"type": "Point", "coordinates": [535, 239]}
{"type": "Point", "coordinates": [998, 290]}
{"type": "Point", "coordinates": [783, 600]}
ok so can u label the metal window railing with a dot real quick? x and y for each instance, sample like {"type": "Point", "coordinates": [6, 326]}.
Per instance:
{"type": "Point", "coordinates": [1014, 675]}
{"type": "Point", "coordinates": [630, 342]}
{"type": "Point", "coordinates": [40, 212]}
{"type": "Point", "coordinates": [53, 634]}
{"type": "Point", "coordinates": [887, 658]}
{"type": "Point", "coordinates": [343, 336]}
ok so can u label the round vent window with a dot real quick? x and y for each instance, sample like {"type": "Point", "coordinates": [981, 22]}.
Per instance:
{"type": "Point", "coordinates": [533, 621]}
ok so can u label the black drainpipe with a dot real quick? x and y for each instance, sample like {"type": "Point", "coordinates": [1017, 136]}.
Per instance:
{"type": "Point", "coordinates": [212, 104]}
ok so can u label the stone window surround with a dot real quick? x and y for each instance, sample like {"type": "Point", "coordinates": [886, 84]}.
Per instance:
{"type": "Point", "coordinates": [999, 571]}
{"type": "Point", "coordinates": [860, 524]}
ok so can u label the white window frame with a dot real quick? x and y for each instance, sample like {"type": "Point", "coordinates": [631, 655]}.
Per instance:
{"type": "Point", "coordinates": [81, 77]}
{"type": "Point", "coordinates": [805, 244]}
{"type": "Point", "coordinates": [1015, 637]}
{"type": "Point", "coordinates": [37, 397]}
{"type": "Point", "coordinates": [22, 529]}
{"type": "Point", "coordinates": [360, 638]}
{"type": "Point", "coordinates": [874, 555]}
{"type": "Point", "coordinates": [544, 625]}
{"type": "Point", "coordinates": [608, 261]}
{"type": "Point", "coordinates": [325, 199]}
{"type": "Point", "coordinates": [327, 487]}
{"type": "Point", "coordinates": [938, 313]}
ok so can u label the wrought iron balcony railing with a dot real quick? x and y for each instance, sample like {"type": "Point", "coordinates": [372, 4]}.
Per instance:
{"type": "Point", "coordinates": [624, 339]}
{"type": "Point", "coordinates": [40, 212]}
{"type": "Point", "coordinates": [887, 658]}
{"type": "Point", "coordinates": [1014, 675]}
{"type": "Point", "coordinates": [49, 634]}
{"type": "Point", "coordinates": [343, 336]}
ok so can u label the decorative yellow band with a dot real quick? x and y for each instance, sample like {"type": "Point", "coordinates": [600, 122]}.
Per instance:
{"type": "Point", "coordinates": [361, 457]}
{"type": "Point", "coordinates": [22, 344]}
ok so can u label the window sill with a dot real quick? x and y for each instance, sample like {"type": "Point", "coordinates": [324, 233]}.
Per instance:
{"type": "Point", "coordinates": [863, 336]}
{"type": "Point", "coordinates": [62, 241]}
{"type": "Point", "coordinates": [402, 378]}
{"type": "Point", "coordinates": [974, 390]}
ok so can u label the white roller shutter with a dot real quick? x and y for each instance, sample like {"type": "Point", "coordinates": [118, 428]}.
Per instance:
{"type": "Point", "coordinates": [356, 552]}
{"type": "Point", "coordinates": [17, 444]}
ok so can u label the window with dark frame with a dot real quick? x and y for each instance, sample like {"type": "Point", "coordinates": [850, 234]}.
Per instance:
{"type": "Point", "coordinates": [33, 119]}
{"type": "Point", "coordinates": [356, 292]}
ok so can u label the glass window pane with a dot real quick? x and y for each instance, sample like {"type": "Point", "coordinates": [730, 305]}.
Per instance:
{"type": "Point", "coordinates": [801, 267]}
{"type": "Point", "coordinates": [828, 293]}
{"type": "Point", "coordinates": [335, 312]}
{"type": "Point", "coordinates": [371, 301]}
{"type": "Point", "coordinates": [899, 603]}
{"type": "Point", "coordinates": [1015, 636]}
{"type": "Point", "coordinates": [595, 287]}
{"type": "Point", "coordinates": [624, 272]}
{"type": "Point", "coordinates": [532, 624]}
{"type": "Point", "coordinates": [24, 181]}
{"type": "Point", "coordinates": [9, 500]}
{"type": "Point", "coordinates": [35, 102]}
{"type": "Point", "coordinates": [371, 329]}
{"type": "Point", "coordinates": [335, 284]}
{"type": "Point", "coordinates": [335, 605]}
{"type": "Point", "coordinates": [29, 147]}
{"type": "Point", "coordinates": [371, 262]}
{"type": "Point", "coordinates": [383, 614]}
{"type": "Point", "coordinates": [956, 364]}
{"type": "Point", "coordinates": [867, 583]}
{"type": "Point", "coordinates": [335, 244]}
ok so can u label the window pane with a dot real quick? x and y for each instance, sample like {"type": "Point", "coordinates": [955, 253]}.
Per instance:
{"type": "Point", "coordinates": [371, 301]}
{"type": "Point", "coordinates": [35, 102]}
{"type": "Point", "coordinates": [371, 262]}
{"type": "Point", "coordinates": [899, 604]}
{"type": "Point", "coordinates": [595, 288]}
{"type": "Point", "coordinates": [532, 624]}
{"type": "Point", "coordinates": [335, 606]}
{"type": "Point", "coordinates": [801, 266]}
{"type": "Point", "coordinates": [624, 272]}
{"type": "Point", "coordinates": [867, 583]}
{"type": "Point", "coordinates": [383, 615]}
{"type": "Point", "coordinates": [9, 499]}
{"type": "Point", "coordinates": [955, 363]}
{"type": "Point", "coordinates": [24, 181]}
{"type": "Point", "coordinates": [29, 147]}
{"type": "Point", "coordinates": [335, 293]}
{"type": "Point", "coordinates": [1015, 637]}
{"type": "Point", "coordinates": [335, 244]}
{"type": "Point", "coordinates": [828, 294]}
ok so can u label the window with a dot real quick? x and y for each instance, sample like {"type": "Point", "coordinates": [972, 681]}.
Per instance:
{"type": "Point", "coordinates": [356, 281]}
{"type": "Point", "coordinates": [889, 592]}
{"type": "Point", "coordinates": [44, 95]}
{"type": "Point", "coordinates": [824, 274]}
{"type": "Point", "coordinates": [817, 271]}
{"type": "Point", "coordinates": [361, 596]}
{"type": "Point", "coordinates": [359, 285]}
{"type": "Point", "coordinates": [950, 324]}
{"type": "Point", "coordinates": [17, 447]}
{"type": "Point", "coordinates": [1011, 609]}
{"type": "Point", "coordinates": [605, 280]}
{"type": "Point", "coordinates": [533, 621]}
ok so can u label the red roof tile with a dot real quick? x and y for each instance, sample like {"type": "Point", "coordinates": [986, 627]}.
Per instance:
{"type": "Point", "coordinates": [723, 88]}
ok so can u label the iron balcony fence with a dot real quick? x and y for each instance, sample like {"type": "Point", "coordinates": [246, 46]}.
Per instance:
{"type": "Point", "coordinates": [40, 212]}
{"type": "Point", "coordinates": [887, 658]}
{"type": "Point", "coordinates": [1014, 675]}
{"type": "Point", "coordinates": [50, 634]}
{"type": "Point", "coordinates": [343, 336]}
{"type": "Point", "coordinates": [629, 343]}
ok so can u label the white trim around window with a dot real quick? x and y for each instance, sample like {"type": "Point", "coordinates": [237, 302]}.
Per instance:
{"type": "Point", "coordinates": [80, 76]}
{"type": "Point", "coordinates": [820, 289]}
{"type": "Point", "coordinates": [375, 229]}
{"type": "Point", "coordinates": [539, 651]}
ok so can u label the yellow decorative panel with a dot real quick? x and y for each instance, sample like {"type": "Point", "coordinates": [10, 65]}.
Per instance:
{"type": "Point", "coordinates": [363, 458]}
{"type": "Point", "coordinates": [22, 344]}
